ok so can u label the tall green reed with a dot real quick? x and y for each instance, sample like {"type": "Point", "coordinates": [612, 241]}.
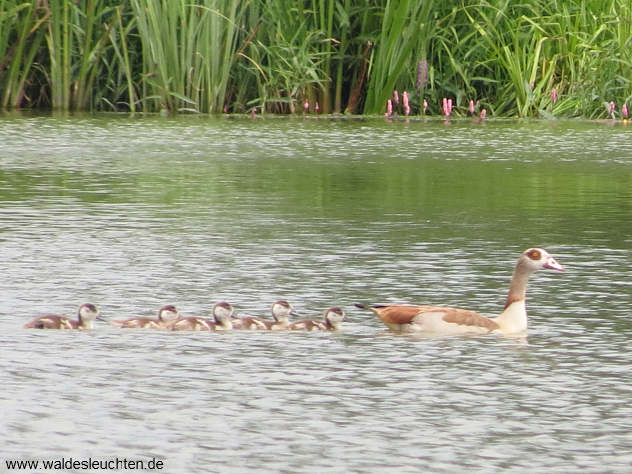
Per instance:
{"type": "Point", "coordinates": [20, 39]}
{"type": "Point", "coordinates": [529, 58]}
{"type": "Point", "coordinates": [323, 16]}
{"type": "Point", "coordinates": [516, 54]}
{"type": "Point", "coordinates": [357, 51]}
{"type": "Point", "coordinates": [404, 21]}
{"type": "Point", "coordinates": [527, 51]}
{"type": "Point", "coordinates": [76, 36]}
{"type": "Point", "coordinates": [288, 57]}
{"type": "Point", "coordinates": [602, 65]}
{"type": "Point", "coordinates": [188, 50]}
{"type": "Point", "coordinates": [120, 78]}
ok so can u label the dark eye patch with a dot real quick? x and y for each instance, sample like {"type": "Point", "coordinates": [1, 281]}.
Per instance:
{"type": "Point", "coordinates": [534, 254]}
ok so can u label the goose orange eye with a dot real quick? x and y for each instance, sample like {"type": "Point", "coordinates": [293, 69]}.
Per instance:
{"type": "Point", "coordinates": [534, 255]}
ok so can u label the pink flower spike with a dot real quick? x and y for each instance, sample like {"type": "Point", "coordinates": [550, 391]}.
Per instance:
{"type": "Point", "coordinates": [306, 106]}
{"type": "Point", "coordinates": [449, 107]}
{"type": "Point", "coordinates": [422, 73]}
{"type": "Point", "coordinates": [624, 111]}
{"type": "Point", "coordinates": [395, 97]}
{"type": "Point", "coordinates": [471, 107]}
{"type": "Point", "coordinates": [389, 108]}
{"type": "Point", "coordinates": [483, 114]}
{"type": "Point", "coordinates": [316, 107]}
{"type": "Point", "coordinates": [445, 106]}
{"type": "Point", "coordinates": [612, 108]}
{"type": "Point", "coordinates": [554, 96]}
{"type": "Point", "coordinates": [425, 106]}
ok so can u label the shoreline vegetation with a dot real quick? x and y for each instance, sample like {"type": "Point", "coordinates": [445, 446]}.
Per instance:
{"type": "Point", "coordinates": [536, 58]}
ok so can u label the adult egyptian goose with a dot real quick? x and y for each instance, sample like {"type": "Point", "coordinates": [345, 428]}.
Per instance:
{"type": "Point", "coordinates": [166, 315]}
{"type": "Point", "coordinates": [222, 320]}
{"type": "Point", "coordinates": [85, 319]}
{"type": "Point", "coordinates": [437, 319]}
{"type": "Point", "coordinates": [281, 312]}
{"type": "Point", "coordinates": [332, 321]}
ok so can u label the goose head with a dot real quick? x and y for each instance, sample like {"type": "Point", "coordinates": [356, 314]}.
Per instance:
{"type": "Point", "coordinates": [535, 259]}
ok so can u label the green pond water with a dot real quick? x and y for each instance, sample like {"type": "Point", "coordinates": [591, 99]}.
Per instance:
{"type": "Point", "coordinates": [132, 213]}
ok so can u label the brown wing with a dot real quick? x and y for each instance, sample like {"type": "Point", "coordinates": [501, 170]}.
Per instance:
{"type": "Point", "coordinates": [406, 314]}
{"type": "Point", "coordinates": [396, 314]}
{"type": "Point", "coordinates": [276, 326]}
{"type": "Point", "coordinates": [308, 325]}
{"type": "Point", "coordinates": [468, 318]}
{"type": "Point", "coordinates": [191, 324]}
{"type": "Point", "coordinates": [250, 323]}
{"type": "Point", "coordinates": [182, 324]}
{"type": "Point", "coordinates": [51, 321]}
{"type": "Point", "coordinates": [135, 323]}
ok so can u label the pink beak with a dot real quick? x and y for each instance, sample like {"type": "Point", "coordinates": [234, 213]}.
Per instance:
{"type": "Point", "coordinates": [552, 264]}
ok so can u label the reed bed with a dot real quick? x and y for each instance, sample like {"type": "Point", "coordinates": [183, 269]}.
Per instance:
{"type": "Point", "coordinates": [516, 59]}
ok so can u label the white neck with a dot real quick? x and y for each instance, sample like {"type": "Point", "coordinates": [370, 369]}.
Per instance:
{"type": "Point", "coordinates": [226, 324]}
{"type": "Point", "coordinates": [514, 318]}
{"type": "Point", "coordinates": [87, 323]}
{"type": "Point", "coordinates": [333, 321]}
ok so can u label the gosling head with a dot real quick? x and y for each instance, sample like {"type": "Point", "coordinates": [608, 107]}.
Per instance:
{"type": "Point", "coordinates": [282, 310]}
{"type": "Point", "coordinates": [168, 313]}
{"type": "Point", "coordinates": [334, 317]}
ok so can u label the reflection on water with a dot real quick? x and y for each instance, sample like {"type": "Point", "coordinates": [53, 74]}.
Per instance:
{"type": "Point", "coordinates": [136, 213]}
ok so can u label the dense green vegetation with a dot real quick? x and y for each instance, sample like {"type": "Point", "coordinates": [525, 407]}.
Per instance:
{"type": "Point", "coordinates": [529, 58]}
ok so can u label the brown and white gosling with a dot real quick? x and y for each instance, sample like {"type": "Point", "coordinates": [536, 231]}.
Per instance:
{"type": "Point", "coordinates": [166, 315]}
{"type": "Point", "coordinates": [85, 319]}
{"type": "Point", "coordinates": [222, 320]}
{"type": "Point", "coordinates": [444, 320]}
{"type": "Point", "coordinates": [333, 319]}
{"type": "Point", "coordinates": [281, 312]}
